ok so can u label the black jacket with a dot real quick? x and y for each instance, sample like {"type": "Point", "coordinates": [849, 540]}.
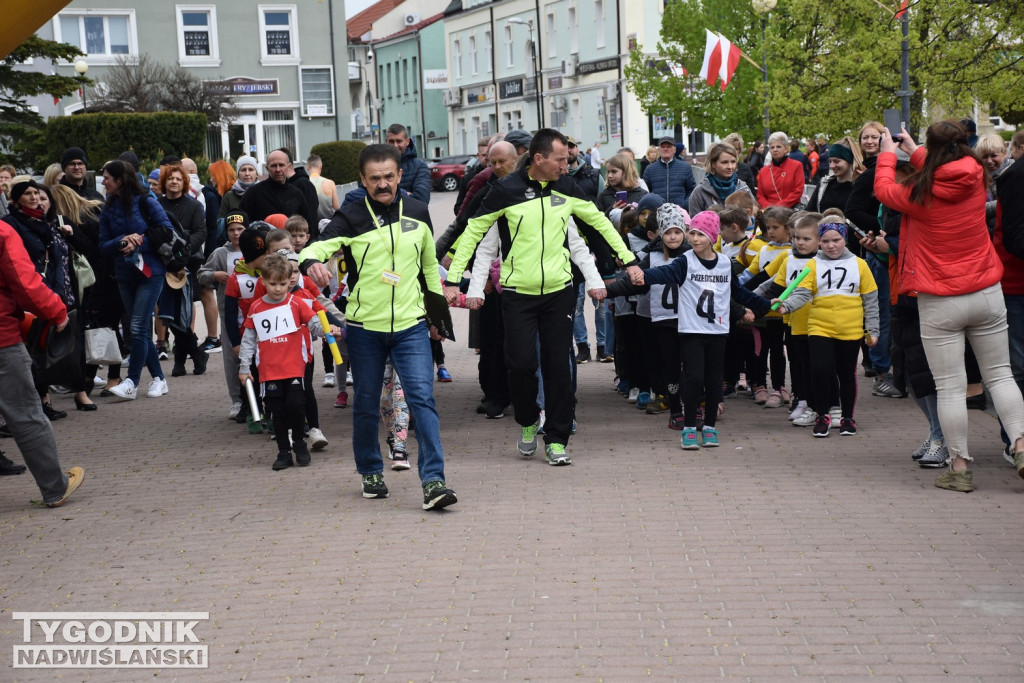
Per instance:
{"type": "Point", "coordinates": [302, 182]}
{"type": "Point", "coordinates": [83, 190]}
{"type": "Point", "coordinates": [267, 197]}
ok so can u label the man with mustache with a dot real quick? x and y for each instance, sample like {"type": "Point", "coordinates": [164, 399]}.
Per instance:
{"type": "Point", "coordinates": [388, 246]}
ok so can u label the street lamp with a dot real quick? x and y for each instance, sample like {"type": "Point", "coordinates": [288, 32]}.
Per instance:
{"type": "Point", "coordinates": [536, 67]}
{"type": "Point", "coordinates": [763, 7]}
{"type": "Point", "coordinates": [81, 66]}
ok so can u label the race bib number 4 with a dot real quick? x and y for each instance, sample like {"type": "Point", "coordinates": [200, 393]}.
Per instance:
{"type": "Point", "coordinates": [273, 323]}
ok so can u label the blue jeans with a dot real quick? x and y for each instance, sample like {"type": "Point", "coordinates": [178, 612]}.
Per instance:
{"type": "Point", "coordinates": [139, 299]}
{"type": "Point", "coordinates": [579, 323]}
{"type": "Point", "coordinates": [409, 351]}
{"type": "Point", "coordinates": [879, 353]}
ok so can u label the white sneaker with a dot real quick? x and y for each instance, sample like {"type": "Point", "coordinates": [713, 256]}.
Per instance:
{"type": "Point", "coordinates": [125, 390]}
{"type": "Point", "coordinates": [98, 381]}
{"type": "Point", "coordinates": [800, 409]}
{"type": "Point", "coordinates": [633, 393]}
{"type": "Point", "coordinates": [348, 378]}
{"type": "Point", "coordinates": [329, 380]}
{"type": "Point", "coordinates": [836, 413]}
{"type": "Point", "coordinates": [806, 420]}
{"type": "Point", "coordinates": [317, 440]}
{"type": "Point", "coordinates": [157, 388]}
{"type": "Point", "coordinates": [125, 362]}
{"type": "Point", "coordinates": [236, 408]}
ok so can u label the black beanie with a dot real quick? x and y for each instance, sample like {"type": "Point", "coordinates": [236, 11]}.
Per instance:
{"type": "Point", "coordinates": [253, 244]}
{"type": "Point", "coordinates": [130, 158]}
{"type": "Point", "coordinates": [73, 154]}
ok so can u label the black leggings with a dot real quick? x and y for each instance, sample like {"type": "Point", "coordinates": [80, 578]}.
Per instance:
{"type": "Point", "coordinates": [667, 337]}
{"type": "Point", "coordinates": [799, 365]}
{"type": "Point", "coordinates": [833, 358]}
{"type": "Point", "coordinates": [629, 351]}
{"type": "Point", "coordinates": [312, 412]}
{"type": "Point", "coordinates": [772, 353]}
{"type": "Point", "coordinates": [703, 356]}
{"type": "Point", "coordinates": [286, 399]}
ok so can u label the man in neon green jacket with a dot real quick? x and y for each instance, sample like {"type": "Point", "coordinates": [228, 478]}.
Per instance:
{"type": "Point", "coordinates": [532, 208]}
{"type": "Point", "coordinates": [388, 246]}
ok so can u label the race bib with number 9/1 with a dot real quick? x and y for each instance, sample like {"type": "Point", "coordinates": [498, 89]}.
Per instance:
{"type": "Point", "coordinates": [274, 322]}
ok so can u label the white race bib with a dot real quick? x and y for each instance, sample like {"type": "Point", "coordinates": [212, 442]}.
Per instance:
{"type": "Point", "coordinates": [247, 285]}
{"type": "Point", "coordinates": [233, 259]}
{"type": "Point", "coordinates": [838, 278]}
{"type": "Point", "coordinates": [274, 322]}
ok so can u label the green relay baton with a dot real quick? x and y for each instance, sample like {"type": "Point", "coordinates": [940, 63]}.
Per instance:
{"type": "Point", "coordinates": [792, 285]}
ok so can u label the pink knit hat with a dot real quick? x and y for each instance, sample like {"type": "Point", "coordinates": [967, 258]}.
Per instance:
{"type": "Point", "coordinates": [708, 223]}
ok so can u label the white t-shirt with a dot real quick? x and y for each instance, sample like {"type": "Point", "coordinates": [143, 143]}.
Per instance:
{"type": "Point", "coordinates": [595, 158]}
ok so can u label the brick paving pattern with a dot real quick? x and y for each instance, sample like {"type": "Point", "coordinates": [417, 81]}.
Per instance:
{"type": "Point", "coordinates": [775, 556]}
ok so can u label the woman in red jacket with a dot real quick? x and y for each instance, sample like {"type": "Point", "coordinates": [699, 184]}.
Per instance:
{"type": "Point", "coordinates": [947, 259]}
{"type": "Point", "coordinates": [781, 182]}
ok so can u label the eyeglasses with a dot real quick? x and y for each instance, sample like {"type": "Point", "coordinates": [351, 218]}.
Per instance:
{"type": "Point", "coordinates": [77, 163]}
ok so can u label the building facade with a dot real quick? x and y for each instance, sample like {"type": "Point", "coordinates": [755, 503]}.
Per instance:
{"type": "Point", "coordinates": [278, 61]}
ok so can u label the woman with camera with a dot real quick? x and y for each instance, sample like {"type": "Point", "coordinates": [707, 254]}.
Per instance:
{"type": "Point", "coordinates": [137, 268]}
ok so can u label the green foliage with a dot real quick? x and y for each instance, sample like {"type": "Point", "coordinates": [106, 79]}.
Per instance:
{"type": "Point", "coordinates": [150, 135]}
{"type": "Point", "coordinates": [834, 65]}
{"type": "Point", "coordinates": [21, 128]}
{"type": "Point", "coordinates": [341, 159]}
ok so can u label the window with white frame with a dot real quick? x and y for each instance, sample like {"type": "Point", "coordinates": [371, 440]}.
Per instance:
{"type": "Point", "coordinates": [197, 35]}
{"type": "Point", "coordinates": [279, 38]}
{"type": "Point", "coordinates": [599, 23]}
{"type": "Point", "coordinates": [316, 90]}
{"type": "Point", "coordinates": [551, 36]}
{"type": "Point", "coordinates": [509, 55]}
{"type": "Point", "coordinates": [474, 64]}
{"type": "Point", "coordinates": [103, 35]}
{"type": "Point", "coordinates": [457, 57]}
{"type": "Point", "coordinates": [574, 38]}
{"type": "Point", "coordinates": [488, 49]}
{"type": "Point", "coordinates": [279, 129]}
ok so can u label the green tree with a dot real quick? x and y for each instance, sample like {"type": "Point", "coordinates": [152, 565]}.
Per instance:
{"type": "Point", "coordinates": [833, 65]}
{"type": "Point", "coordinates": [21, 129]}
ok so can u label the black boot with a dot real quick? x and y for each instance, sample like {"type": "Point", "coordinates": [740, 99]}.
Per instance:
{"type": "Point", "coordinates": [199, 358]}
{"type": "Point", "coordinates": [180, 356]}
{"type": "Point", "coordinates": [7, 466]}
{"type": "Point", "coordinates": [583, 355]}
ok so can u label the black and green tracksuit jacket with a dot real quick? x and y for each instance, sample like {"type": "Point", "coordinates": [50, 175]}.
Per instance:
{"type": "Point", "coordinates": [405, 248]}
{"type": "Point", "coordinates": [533, 219]}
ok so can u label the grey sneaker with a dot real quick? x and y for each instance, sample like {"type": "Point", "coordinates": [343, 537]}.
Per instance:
{"type": "Point", "coordinates": [556, 455]}
{"type": "Point", "coordinates": [436, 496]}
{"type": "Point", "coordinates": [937, 455]}
{"type": "Point", "coordinates": [374, 487]}
{"type": "Point", "coordinates": [884, 387]}
{"type": "Point", "coordinates": [807, 419]}
{"type": "Point", "coordinates": [527, 445]}
{"type": "Point", "coordinates": [921, 450]}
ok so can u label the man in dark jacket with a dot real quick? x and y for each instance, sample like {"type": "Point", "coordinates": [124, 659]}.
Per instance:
{"type": "Point", "coordinates": [298, 178]}
{"type": "Point", "coordinates": [415, 174]}
{"type": "Point", "coordinates": [1009, 242]}
{"type": "Point", "coordinates": [275, 195]}
{"type": "Point", "coordinates": [75, 165]}
{"type": "Point", "coordinates": [670, 177]}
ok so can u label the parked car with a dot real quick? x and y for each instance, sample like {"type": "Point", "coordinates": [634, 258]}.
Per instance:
{"type": "Point", "coordinates": [447, 172]}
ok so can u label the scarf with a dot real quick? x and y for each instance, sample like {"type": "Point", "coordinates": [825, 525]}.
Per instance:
{"type": "Point", "coordinates": [36, 213]}
{"type": "Point", "coordinates": [239, 187]}
{"type": "Point", "coordinates": [723, 188]}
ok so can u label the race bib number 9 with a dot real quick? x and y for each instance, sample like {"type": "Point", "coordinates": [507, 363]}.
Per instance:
{"type": "Point", "coordinates": [275, 322]}
{"type": "Point", "coordinates": [247, 285]}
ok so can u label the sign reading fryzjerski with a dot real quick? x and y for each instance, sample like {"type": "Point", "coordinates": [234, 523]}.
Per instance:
{"type": "Point", "coordinates": [511, 88]}
{"type": "Point", "coordinates": [241, 85]}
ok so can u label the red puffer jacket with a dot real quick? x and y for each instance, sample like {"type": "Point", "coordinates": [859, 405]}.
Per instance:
{"type": "Point", "coordinates": [945, 248]}
{"type": "Point", "coordinates": [21, 289]}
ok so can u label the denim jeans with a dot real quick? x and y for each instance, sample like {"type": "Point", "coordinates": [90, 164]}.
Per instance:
{"type": "Point", "coordinates": [33, 433]}
{"type": "Point", "coordinates": [946, 321]}
{"type": "Point", "coordinates": [879, 353]}
{"type": "Point", "coordinates": [579, 322]}
{"type": "Point", "coordinates": [139, 299]}
{"type": "Point", "coordinates": [409, 351]}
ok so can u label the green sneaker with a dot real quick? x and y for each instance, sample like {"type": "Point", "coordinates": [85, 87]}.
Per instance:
{"type": "Point", "coordinates": [436, 496]}
{"type": "Point", "coordinates": [956, 481]}
{"type": "Point", "coordinates": [254, 426]}
{"type": "Point", "coordinates": [556, 455]}
{"type": "Point", "coordinates": [527, 445]}
{"type": "Point", "coordinates": [374, 487]}
{"type": "Point", "coordinates": [688, 439]}
{"type": "Point", "coordinates": [709, 437]}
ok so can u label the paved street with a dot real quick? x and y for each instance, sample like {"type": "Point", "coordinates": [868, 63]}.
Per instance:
{"type": "Point", "coordinates": [775, 556]}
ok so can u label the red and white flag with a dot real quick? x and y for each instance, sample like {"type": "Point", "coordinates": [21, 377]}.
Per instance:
{"type": "Point", "coordinates": [721, 58]}
{"type": "Point", "coordinates": [139, 263]}
{"type": "Point", "coordinates": [902, 10]}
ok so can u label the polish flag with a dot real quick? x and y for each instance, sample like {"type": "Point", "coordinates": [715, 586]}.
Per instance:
{"type": "Point", "coordinates": [139, 263]}
{"type": "Point", "coordinates": [721, 58]}
{"type": "Point", "coordinates": [902, 10]}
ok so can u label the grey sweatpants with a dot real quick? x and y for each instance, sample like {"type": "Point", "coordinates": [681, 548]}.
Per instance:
{"type": "Point", "coordinates": [32, 431]}
{"type": "Point", "coordinates": [230, 367]}
{"type": "Point", "coordinates": [981, 317]}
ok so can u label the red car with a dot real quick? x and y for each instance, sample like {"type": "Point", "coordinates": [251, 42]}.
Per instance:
{"type": "Point", "coordinates": [447, 172]}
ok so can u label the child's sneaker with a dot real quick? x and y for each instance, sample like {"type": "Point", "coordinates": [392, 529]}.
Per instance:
{"type": "Point", "coordinates": [302, 457]}
{"type": "Point", "coordinates": [329, 380]}
{"type": "Point", "coordinates": [741, 385]}
{"type": "Point", "coordinates": [786, 396]}
{"type": "Point", "coordinates": [283, 462]}
{"type": "Point", "coordinates": [836, 413]}
{"type": "Point", "coordinates": [399, 458]}
{"type": "Point", "coordinates": [556, 455]}
{"type": "Point", "coordinates": [822, 426]}
{"type": "Point", "coordinates": [317, 440]}
{"type": "Point", "coordinates": [634, 395]}
{"type": "Point", "coordinates": [688, 439]}
{"type": "Point", "coordinates": [847, 427]}
{"type": "Point", "coordinates": [374, 486]}
{"type": "Point", "coordinates": [807, 419]}
{"type": "Point", "coordinates": [255, 426]}
{"type": "Point", "coordinates": [774, 400]}
{"type": "Point", "coordinates": [527, 445]}
{"type": "Point", "coordinates": [760, 395]}
{"type": "Point", "coordinates": [800, 409]}
{"type": "Point", "coordinates": [709, 437]}
{"type": "Point", "coordinates": [622, 387]}
{"type": "Point", "coordinates": [676, 422]}
{"type": "Point", "coordinates": [643, 399]}
{"type": "Point", "coordinates": [657, 405]}
{"type": "Point", "coordinates": [342, 400]}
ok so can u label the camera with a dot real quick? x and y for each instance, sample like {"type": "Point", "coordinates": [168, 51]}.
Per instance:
{"type": "Point", "coordinates": [123, 243]}
{"type": "Point", "coordinates": [369, 55]}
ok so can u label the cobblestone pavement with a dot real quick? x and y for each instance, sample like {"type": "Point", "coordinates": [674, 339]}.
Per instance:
{"type": "Point", "coordinates": [774, 556]}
